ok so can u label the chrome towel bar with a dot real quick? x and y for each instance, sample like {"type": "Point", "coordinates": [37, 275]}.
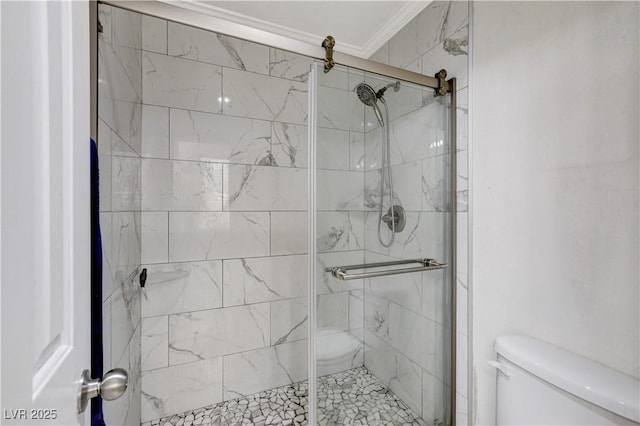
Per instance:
{"type": "Point", "coordinates": [340, 272]}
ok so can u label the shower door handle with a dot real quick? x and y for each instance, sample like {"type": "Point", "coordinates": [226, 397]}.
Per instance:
{"type": "Point", "coordinates": [112, 386]}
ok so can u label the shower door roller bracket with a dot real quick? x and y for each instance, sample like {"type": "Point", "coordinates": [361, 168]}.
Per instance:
{"type": "Point", "coordinates": [443, 85]}
{"type": "Point", "coordinates": [328, 45]}
{"type": "Point", "coordinates": [112, 386]}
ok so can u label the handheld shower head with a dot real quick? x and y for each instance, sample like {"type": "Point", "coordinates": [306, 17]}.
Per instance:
{"type": "Point", "coordinates": [367, 96]}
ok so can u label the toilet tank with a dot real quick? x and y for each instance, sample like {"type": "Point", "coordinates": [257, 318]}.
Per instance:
{"type": "Point", "coordinates": [542, 384]}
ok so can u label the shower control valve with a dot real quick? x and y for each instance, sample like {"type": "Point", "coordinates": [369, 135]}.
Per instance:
{"type": "Point", "coordinates": [395, 218]}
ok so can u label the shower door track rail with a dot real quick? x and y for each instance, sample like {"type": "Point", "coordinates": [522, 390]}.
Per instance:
{"type": "Point", "coordinates": [199, 16]}
{"type": "Point", "coordinates": [340, 272]}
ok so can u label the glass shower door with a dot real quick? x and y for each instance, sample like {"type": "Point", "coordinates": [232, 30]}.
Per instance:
{"type": "Point", "coordinates": [379, 195]}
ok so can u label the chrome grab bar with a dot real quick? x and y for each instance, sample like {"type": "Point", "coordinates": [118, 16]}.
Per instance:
{"type": "Point", "coordinates": [340, 272]}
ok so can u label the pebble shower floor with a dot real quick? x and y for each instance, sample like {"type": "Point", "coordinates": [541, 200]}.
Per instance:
{"type": "Point", "coordinates": [352, 397]}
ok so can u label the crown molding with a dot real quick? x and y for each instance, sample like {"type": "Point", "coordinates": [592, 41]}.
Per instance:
{"type": "Point", "coordinates": [393, 25]}
{"type": "Point", "coordinates": [398, 21]}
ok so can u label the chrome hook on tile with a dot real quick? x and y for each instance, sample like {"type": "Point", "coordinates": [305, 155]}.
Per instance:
{"type": "Point", "coordinates": [329, 44]}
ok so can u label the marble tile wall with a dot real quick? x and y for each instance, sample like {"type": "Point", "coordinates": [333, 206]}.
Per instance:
{"type": "Point", "coordinates": [340, 220]}
{"type": "Point", "coordinates": [119, 148]}
{"type": "Point", "coordinates": [223, 217]}
{"type": "Point", "coordinates": [398, 310]}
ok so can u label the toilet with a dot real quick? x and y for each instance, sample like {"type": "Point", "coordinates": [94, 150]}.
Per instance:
{"type": "Point", "coordinates": [542, 384]}
{"type": "Point", "coordinates": [336, 352]}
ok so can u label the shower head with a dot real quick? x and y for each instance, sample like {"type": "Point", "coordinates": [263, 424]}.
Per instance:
{"type": "Point", "coordinates": [367, 96]}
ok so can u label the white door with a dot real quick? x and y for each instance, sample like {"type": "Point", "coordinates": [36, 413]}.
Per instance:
{"type": "Point", "coordinates": [45, 246]}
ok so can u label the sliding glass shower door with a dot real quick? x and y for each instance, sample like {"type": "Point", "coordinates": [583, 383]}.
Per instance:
{"type": "Point", "coordinates": [381, 223]}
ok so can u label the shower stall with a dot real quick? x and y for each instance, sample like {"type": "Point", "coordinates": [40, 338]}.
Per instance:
{"type": "Point", "coordinates": [292, 211]}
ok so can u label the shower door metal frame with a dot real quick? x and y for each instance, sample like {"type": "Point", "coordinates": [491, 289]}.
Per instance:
{"type": "Point", "coordinates": [199, 19]}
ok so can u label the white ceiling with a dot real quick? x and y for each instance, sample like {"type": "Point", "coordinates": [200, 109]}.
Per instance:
{"type": "Point", "coordinates": [359, 27]}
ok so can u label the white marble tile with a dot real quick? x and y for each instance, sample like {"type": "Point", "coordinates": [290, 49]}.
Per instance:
{"type": "Point", "coordinates": [155, 343]}
{"type": "Point", "coordinates": [407, 99]}
{"type": "Point", "coordinates": [423, 236]}
{"type": "Point", "coordinates": [155, 131]}
{"type": "Point", "coordinates": [462, 249]}
{"type": "Point", "coordinates": [404, 47]}
{"type": "Point", "coordinates": [434, 287]}
{"type": "Point", "coordinates": [356, 151]}
{"type": "Point", "coordinates": [181, 185]}
{"type": "Point", "coordinates": [399, 373]}
{"type": "Point", "coordinates": [125, 245]}
{"type": "Point", "coordinates": [435, 191]}
{"type": "Point", "coordinates": [206, 46]}
{"type": "Point", "coordinates": [104, 165]}
{"type": "Point", "coordinates": [154, 34]}
{"type": "Point", "coordinates": [125, 185]}
{"type": "Point", "coordinates": [254, 371]}
{"type": "Point", "coordinates": [376, 316]}
{"type": "Point", "coordinates": [106, 335]}
{"type": "Point", "coordinates": [326, 283]}
{"type": "Point", "coordinates": [339, 352]}
{"type": "Point", "coordinates": [415, 66]}
{"type": "Point", "coordinates": [213, 137]}
{"type": "Point", "coordinates": [462, 182]}
{"type": "Point", "coordinates": [289, 233]}
{"type": "Point", "coordinates": [372, 237]}
{"type": "Point", "coordinates": [131, 60]}
{"type": "Point", "coordinates": [263, 279]}
{"type": "Point", "coordinates": [268, 98]}
{"type": "Point", "coordinates": [340, 109]}
{"type": "Point", "coordinates": [217, 235]}
{"type": "Point", "coordinates": [181, 83]}
{"type": "Point", "coordinates": [405, 290]}
{"type": "Point", "coordinates": [125, 315]}
{"type": "Point", "coordinates": [338, 78]}
{"type": "Point", "coordinates": [355, 77]}
{"type": "Point", "coordinates": [127, 124]}
{"type": "Point", "coordinates": [420, 134]}
{"type": "Point", "coordinates": [433, 398]}
{"type": "Point", "coordinates": [415, 337]}
{"type": "Point", "coordinates": [155, 237]}
{"type": "Point", "coordinates": [258, 188]}
{"type": "Point", "coordinates": [121, 148]}
{"type": "Point", "coordinates": [431, 25]}
{"type": "Point", "coordinates": [289, 320]}
{"type": "Point", "coordinates": [451, 55]}
{"type": "Point", "coordinates": [182, 287]}
{"type": "Point", "coordinates": [289, 144]}
{"type": "Point", "coordinates": [461, 365]}
{"type": "Point", "coordinates": [207, 334]}
{"type": "Point", "coordinates": [108, 270]}
{"type": "Point", "coordinates": [462, 417]}
{"type": "Point", "coordinates": [135, 380]}
{"type": "Point", "coordinates": [462, 117]}
{"type": "Point", "coordinates": [382, 54]}
{"type": "Point", "coordinates": [113, 83]}
{"type": "Point", "coordinates": [105, 17]}
{"type": "Point", "coordinates": [127, 28]}
{"type": "Point", "coordinates": [339, 190]}
{"type": "Point", "coordinates": [332, 149]}
{"type": "Point", "coordinates": [180, 388]}
{"type": "Point", "coordinates": [356, 310]}
{"type": "Point", "coordinates": [339, 231]}
{"type": "Point", "coordinates": [407, 187]}
{"type": "Point", "coordinates": [289, 65]}
{"type": "Point", "coordinates": [332, 313]}
{"type": "Point", "coordinates": [372, 181]}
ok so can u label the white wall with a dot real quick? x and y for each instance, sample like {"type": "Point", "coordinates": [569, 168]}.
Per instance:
{"type": "Point", "coordinates": [555, 181]}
